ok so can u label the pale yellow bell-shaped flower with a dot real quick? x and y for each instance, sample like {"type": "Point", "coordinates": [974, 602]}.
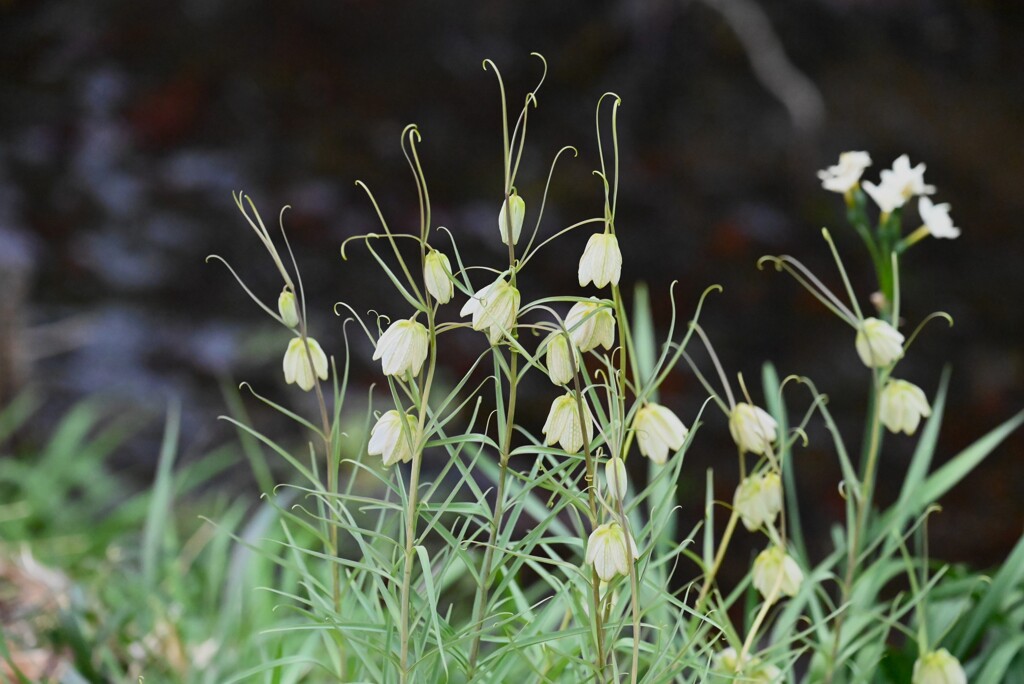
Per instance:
{"type": "Point", "coordinates": [296, 363]}
{"type": "Point", "coordinates": [437, 273]}
{"type": "Point", "coordinates": [591, 325]}
{"type": "Point", "coordinates": [658, 431]}
{"type": "Point", "coordinates": [774, 566]}
{"type": "Point", "coordinates": [559, 359]}
{"type": "Point", "coordinates": [936, 219]}
{"type": "Point", "coordinates": [287, 308]}
{"type": "Point", "coordinates": [402, 347]}
{"type": "Point", "coordinates": [878, 343]}
{"type": "Point", "coordinates": [518, 214]}
{"type": "Point", "coordinates": [392, 441]}
{"type": "Point", "coordinates": [842, 177]}
{"type": "Point", "coordinates": [610, 549]}
{"type": "Point", "coordinates": [938, 667]}
{"type": "Point", "coordinates": [601, 261]}
{"type": "Point", "coordinates": [727, 662]}
{"type": "Point", "coordinates": [758, 499]}
{"type": "Point", "coordinates": [752, 428]}
{"type": "Point", "coordinates": [494, 308]}
{"type": "Point", "coordinates": [615, 478]}
{"type": "Point", "coordinates": [563, 424]}
{"type": "Point", "coordinates": [902, 405]}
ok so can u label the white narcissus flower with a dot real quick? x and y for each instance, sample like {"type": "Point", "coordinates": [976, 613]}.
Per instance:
{"type": "Point", "coordinates": [518, 214]}
{"type": "Point", "coordinates": [590, 325]}
{"type": "Point", "coordinates": [494, 308]}
{"type": "Point", "coordinates": [843, 176]}
{"type": "Point", "coordinates": [902, 405]}
{"type": "Point", "coordinates": [286, 307]}
{"type": "Point", "coordinates": [898, 185]}
{"type": "Point", "coordinates": [938, 667]}
{"type": "Point", "coordinates": [403, 347]}
{"type": "Point", "coordinates": [774, 566]}
{"type": "Point", "coordinates": [752, 428]}
{"type": "Point", "coordinates": [758, 499]}
{"type": "Point", "coordinates": [437, 273]}
{"type": "Point", "coordinates": [601, 261]}
{"type": "Point", "coordinates": [615, 477]}
{"type": "Point", "coordinates": [658, 431]}
{"type": "Point", "coordinates": [611, 549]}
{"type": "Point", "coordinates": [390, 440]}
{"type": "Point", "coordinates": [936, 219]}
{"type": "Point", "coordinates": [296, 363]}
{"type": "Point", "coordinates": [878, 343]}
{"type": "Point", "coordinates": [563, 424]}
{"type": "Point", "coordinates": [559, 359]}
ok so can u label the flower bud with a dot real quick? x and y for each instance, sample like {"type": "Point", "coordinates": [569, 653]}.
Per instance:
{"type": "Point", "coordinates": [601, 261]}
{"type": "Point", "coordinates": [518, 214]}
{"type": "Point", "coordinates": [494, 308]}
{"type": "Point", "coordinates": [878, 343]}
{"type": "Point", "coordinates": [559, 359]}
{"type": "Point", "coordinates": [728, 662]}
{"type": "Point", "coordinates": [391, 440]}
{"type": "Point", "coordinates": [297, 367]}
{"type": "Point", "coordinates": [563, 424]}
{"type": "Point", "coordinates": [752, 428]}
{"type": "Point", "coordinates": [437, 273]}
{"type": "Point", "coordinates": [844, 176]}
{"type": "Point", "coordinates": [286, 307]}
{"type": "Point", "coordinates": [902, 405]}
{"type": "Point", "coordinates": [590, 325]}
{"type": "Point", "coordinates": [611, 550]}
{"type": "Point", "coordinates": [615, 476]}
{"type": "Point", "coordinates": [658, 431]}
{"type": "Point", "coordinates": [758, 500]}
{"type": "Point", "coordinates": [774, 566]}
{"type": "Point", "coordinates": [938, 667]}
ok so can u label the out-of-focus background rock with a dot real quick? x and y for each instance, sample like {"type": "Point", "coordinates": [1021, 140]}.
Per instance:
{"type": "Point", "coordinates": [124, 127]}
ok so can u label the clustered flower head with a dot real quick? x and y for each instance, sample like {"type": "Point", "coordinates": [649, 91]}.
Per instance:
{"type": "Point", "coordinates": [601, 261]}
{"type": "Point", "coordinates": [286, 307]}
{"type": "Point", "coordinates": [728, 662]}
{"type": "Point", "coordinates": [403, 347]}
{"type": "Point", "coordinates": [563, 425]}
{"type": "Point", "coordinates": [898, 185]}
{"type": "Point", "coordinates": [774, 566]}
{"type": "Point", "coordinates": [752, 428]}
{"type": "Point", "coordinates": [591, 325]}
{"type": "Point", "coordinates": [938, 667]}
{"type": "Point", "coordinates": [758, 499]}
{"type": "Point", "coordinates": [437, 276]}
{"type": "Point", "coordinates": [297, 364]}
{"type": "Point", "coordinates": [494, 308]}
{"type": "Point", "coordinates": [902, 405]}
{"type": "Point", "coordinates": [518, 214]}
{"type": "Point", "coordinates": [845, 175]}
{"type": "Point", "coordinates": [878, 343]}
{"type": "Point", "coordinates": [392, 441]}
{"type": "Point", "coordinates": [610, 549]}
{"type": "Point", "coordinates": [658, 431]}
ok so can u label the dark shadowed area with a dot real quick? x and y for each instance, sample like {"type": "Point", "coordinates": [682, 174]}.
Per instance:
{"type": "Point", "coordinates": [125, 127]}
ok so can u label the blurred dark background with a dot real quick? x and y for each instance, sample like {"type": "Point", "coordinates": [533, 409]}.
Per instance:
{"type": "Point", "coordinates": [126, 125]}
